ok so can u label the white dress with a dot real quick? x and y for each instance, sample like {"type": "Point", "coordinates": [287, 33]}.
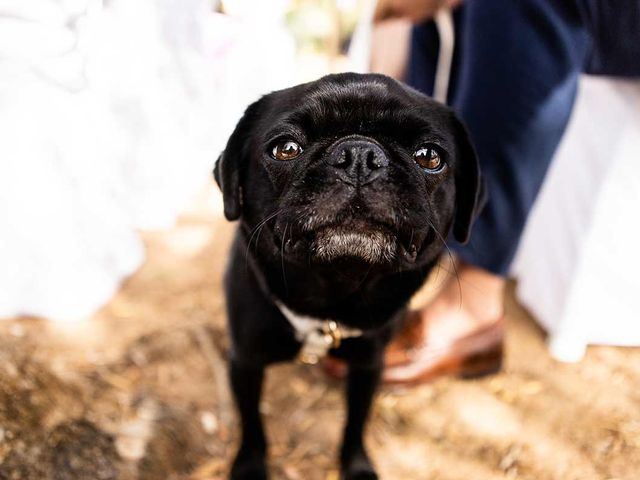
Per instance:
{"type": "Point", "coordinates": [62, 238]}
{"type": "Point", "coordinates": [111, 118]}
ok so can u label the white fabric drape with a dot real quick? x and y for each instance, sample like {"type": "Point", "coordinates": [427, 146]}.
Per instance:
{"type": "Point", "coordinates": [577, 265]}
{"type": "Point", "coordinates": [111, 117]}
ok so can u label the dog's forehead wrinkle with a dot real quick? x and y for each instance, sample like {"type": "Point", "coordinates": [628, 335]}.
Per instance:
{"type": "Point", "coordinates": [330, 118]}
{"type": "Point", "coordinates": [367, 98]}
{"type": "Point", "coordinates": [328, 108]}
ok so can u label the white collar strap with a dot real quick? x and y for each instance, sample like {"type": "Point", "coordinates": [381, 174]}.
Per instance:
{"type": "Point", "coordinates": [317, 336]}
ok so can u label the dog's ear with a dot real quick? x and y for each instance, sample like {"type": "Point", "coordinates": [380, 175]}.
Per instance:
{"type": "Point", "coordinates": [470, 190]}
{"type": "Point", "coordinates": [230, 166]}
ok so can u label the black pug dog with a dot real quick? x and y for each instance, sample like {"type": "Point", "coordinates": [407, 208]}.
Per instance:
{"type": "Point", "coordinates": [346, 189]}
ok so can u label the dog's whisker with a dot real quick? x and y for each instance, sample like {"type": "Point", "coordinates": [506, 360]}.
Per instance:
{"type": "Point", "coordinates": [256, 230]}
{"type": "Point", "coordinates": [254, 236]}
{"type": "Point", "coordinates": [284, 274]}
{"type": "Point", "coordinates": [246, 256]}
{"type": "Point", "coordinates": [453, 262]}
{"type": "Point", "coordinates": [466, 283]}
{"type": "Point", "coordinates": [364, 277]}
{"type": "Point", "coordinates": [438, 267]}
{"type": "Point", "coordinates": [269, 217]}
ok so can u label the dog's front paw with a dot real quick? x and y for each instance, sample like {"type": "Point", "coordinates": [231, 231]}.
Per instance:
{"type": "Point", "coordinates": [248, 468]}
{"type": "Point", "coordinates": [359, 468]}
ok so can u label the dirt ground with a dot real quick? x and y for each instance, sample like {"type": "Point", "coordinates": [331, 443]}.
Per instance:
{"type": "Point", "coordinates": [138, 392]}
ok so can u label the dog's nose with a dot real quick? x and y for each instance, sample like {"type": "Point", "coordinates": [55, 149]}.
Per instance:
{"type": "Point", "coordinates": [358, 161]}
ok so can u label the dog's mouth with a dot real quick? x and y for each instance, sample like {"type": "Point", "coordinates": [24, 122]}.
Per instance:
{"type": "Point", "coordinates": [365, 240]}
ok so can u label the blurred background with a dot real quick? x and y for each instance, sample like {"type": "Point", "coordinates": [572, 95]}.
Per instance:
{"type": "Point", "coordinates": [113, 244]}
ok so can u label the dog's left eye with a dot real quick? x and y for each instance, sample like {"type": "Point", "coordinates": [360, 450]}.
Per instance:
{"type": "Point", "coordinates": [429, 158]}
{"type": "Point", "coordinates": [286, 150]}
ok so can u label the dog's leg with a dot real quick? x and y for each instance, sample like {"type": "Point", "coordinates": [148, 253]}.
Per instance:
{"type": "Point", "coordinates": [246, 383]}
{"type": "Point", "coordinates": [361, 387]}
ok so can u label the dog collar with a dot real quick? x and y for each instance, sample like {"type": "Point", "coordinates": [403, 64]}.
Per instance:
{"type": "Point", "coordinates": [317, 336]}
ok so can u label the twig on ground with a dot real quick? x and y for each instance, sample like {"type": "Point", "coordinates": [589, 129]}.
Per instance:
{"type": "Point", "coordinates": [219, 371]}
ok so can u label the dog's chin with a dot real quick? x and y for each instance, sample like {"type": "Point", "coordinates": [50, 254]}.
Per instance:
{"type": "Point", "coordinates": [370, 246]}
{"type": "Point", "coordinates": [351, 243]}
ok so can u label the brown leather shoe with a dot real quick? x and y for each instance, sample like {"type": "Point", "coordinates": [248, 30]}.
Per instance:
{"type": "Point", "coordinates": [412, 358]}
{"type": "Point", "coordinates": [474, 355]}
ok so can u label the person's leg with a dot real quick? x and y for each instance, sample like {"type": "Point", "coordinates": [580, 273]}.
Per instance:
{"type": "Point", "coordinates": [516, 87]}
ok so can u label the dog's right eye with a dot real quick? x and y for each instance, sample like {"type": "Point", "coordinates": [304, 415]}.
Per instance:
{"type": "Point", "coordinates": [286, 151]}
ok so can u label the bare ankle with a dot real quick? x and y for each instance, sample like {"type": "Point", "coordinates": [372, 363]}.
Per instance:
{"type": "Point", "coordinates": [469, 300]}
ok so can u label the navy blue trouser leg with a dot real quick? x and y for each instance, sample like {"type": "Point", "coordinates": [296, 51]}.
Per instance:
{"type": "Point", "coordinates": [515, 72]}
{"type": "Point", "coordinates": [517, 86]}
{"type": "Point", "coordinates": [516, 67]}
